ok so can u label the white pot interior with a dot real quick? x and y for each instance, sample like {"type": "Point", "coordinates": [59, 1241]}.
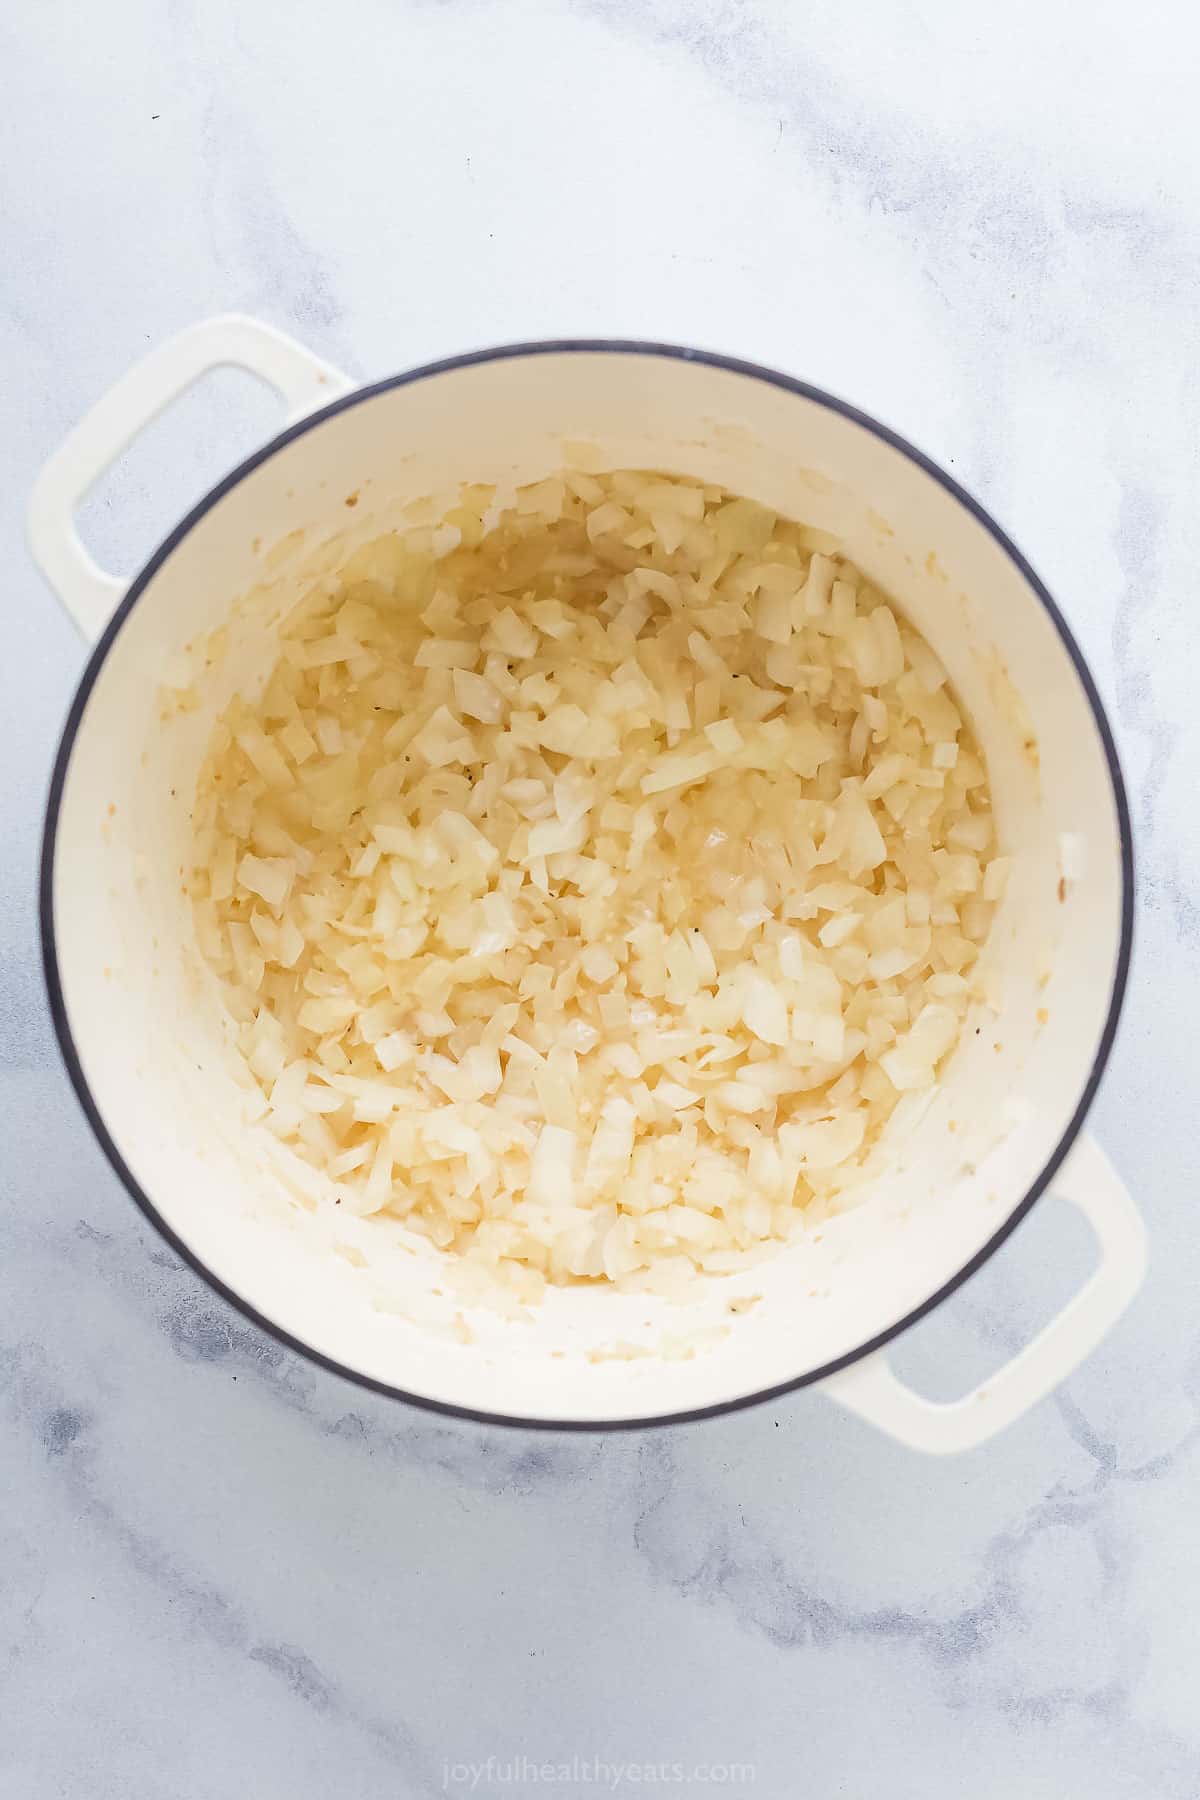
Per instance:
{"type": "Point", "coordinates": [146, 1018]}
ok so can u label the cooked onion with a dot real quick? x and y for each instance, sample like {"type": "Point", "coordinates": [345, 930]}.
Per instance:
{"type": "Point", "coordinates": [588, 895]}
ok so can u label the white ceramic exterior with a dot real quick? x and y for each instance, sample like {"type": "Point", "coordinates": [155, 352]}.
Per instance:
{"type": "Point", "coordinates": [141, 1022]}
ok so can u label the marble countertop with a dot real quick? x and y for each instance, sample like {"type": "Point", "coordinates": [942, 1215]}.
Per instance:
{"type": "Point", "coordinates": [226, 1573]}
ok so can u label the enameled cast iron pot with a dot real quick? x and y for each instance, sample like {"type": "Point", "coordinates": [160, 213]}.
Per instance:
{"type": "Point", "coordinates": [141, 1025]}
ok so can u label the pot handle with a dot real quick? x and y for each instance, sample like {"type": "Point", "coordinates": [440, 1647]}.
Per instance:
{"type": "Point", "coordinates": [873, 1390]}
{"type": "Point", "coordinates": [88, 592]}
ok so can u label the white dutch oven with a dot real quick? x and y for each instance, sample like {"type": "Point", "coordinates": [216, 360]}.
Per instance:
{"type": "Point", "coordinates": [141, 1024]}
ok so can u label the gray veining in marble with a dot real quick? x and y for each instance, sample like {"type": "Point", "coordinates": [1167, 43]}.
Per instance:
{"type": "Point", "coordinates": [225, 1573]}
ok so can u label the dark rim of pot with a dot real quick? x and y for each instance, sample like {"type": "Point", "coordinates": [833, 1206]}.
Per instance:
{"type": "Point", "coordinates": [622, 347]}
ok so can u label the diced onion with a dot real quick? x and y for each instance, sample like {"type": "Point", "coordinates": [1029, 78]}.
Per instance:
{"type": "Point", "coordinates": [592, 878]}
